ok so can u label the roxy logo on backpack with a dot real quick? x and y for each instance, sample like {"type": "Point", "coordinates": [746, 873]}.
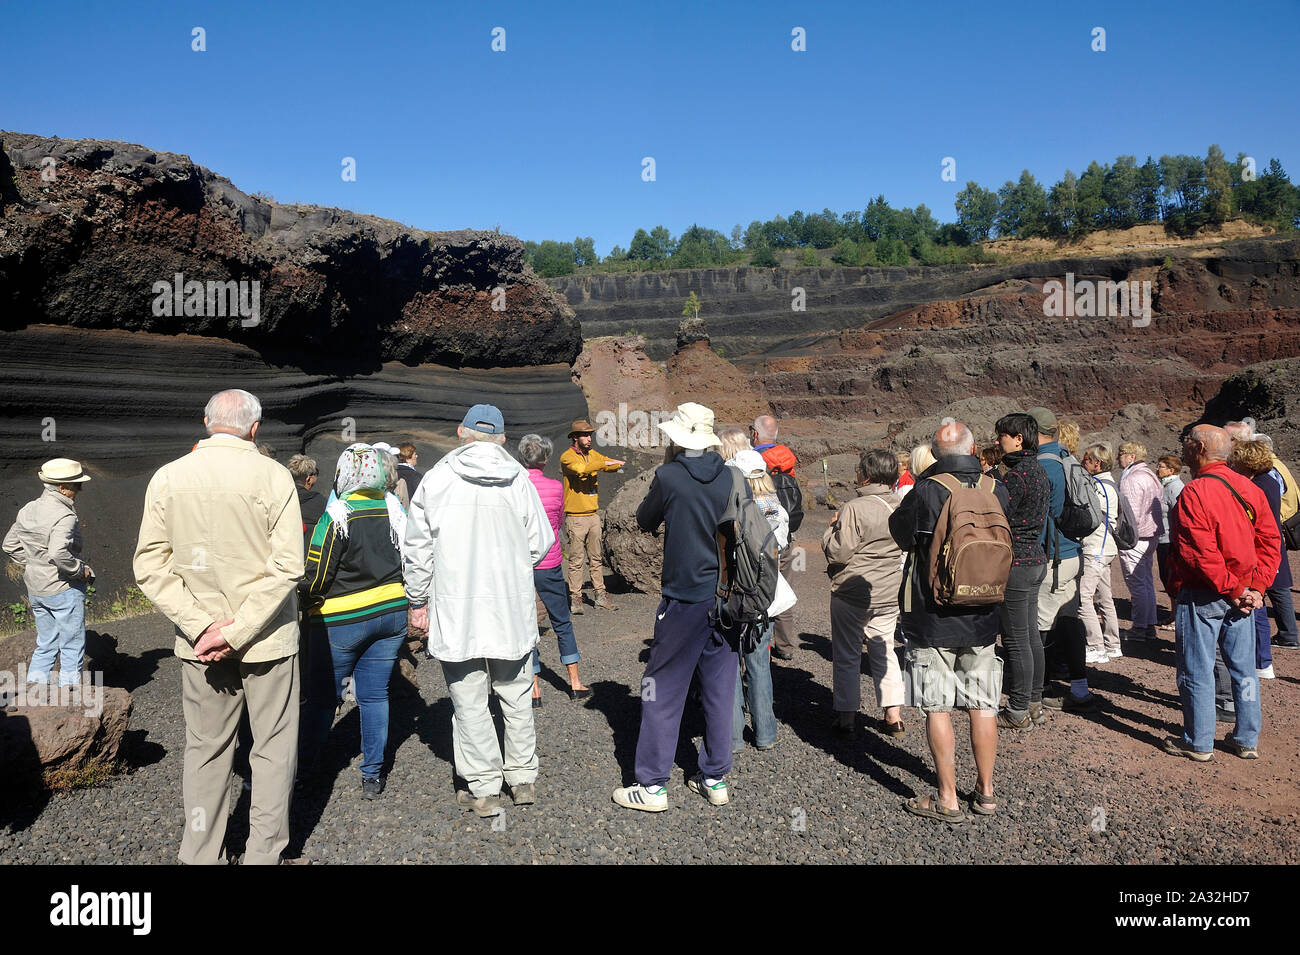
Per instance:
{"type": "Point", "coordinates": [970, 552]}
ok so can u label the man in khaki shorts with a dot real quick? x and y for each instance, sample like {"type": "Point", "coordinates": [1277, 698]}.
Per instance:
{"type": "Point", "coordinates": [950, 661]}
{"type": "Point", "coordinates": [581, 467]}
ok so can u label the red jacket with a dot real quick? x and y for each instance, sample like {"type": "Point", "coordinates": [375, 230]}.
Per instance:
{"type": "Point", "coordinates": [1212, 543]}
{"type": "Point", "coordinates": [778, 457]}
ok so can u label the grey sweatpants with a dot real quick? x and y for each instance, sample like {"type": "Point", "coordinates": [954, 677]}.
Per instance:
{"type": "Point", "coordinates": [479, 758]}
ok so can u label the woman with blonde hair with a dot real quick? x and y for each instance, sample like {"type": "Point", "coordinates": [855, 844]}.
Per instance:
{"type": "Point", "coordinates": [1067, 436]}
{"type": "Point", "coordinates": [733, 442]}
{"type": "Point", "coordinates": [1255, 461]}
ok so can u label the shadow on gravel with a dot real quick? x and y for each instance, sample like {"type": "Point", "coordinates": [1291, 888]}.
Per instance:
{"type": "Point", "coordinates": [23, 795]}
{"type": "Point", "coordinates": [621, 707]}
{"type": "Point", "coordinates": [140, 751]}
{"type": "Point", "coordinates": [804, 706]}
{"type": "Point", "coordinates": [132, 673]}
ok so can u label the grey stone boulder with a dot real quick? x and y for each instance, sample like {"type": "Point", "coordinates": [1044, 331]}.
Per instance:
{"type": "Point", "coordinates": [634, 556]}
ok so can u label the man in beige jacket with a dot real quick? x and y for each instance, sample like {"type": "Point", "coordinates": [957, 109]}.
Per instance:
{"type": "Point", "coordinates": [220, 553]}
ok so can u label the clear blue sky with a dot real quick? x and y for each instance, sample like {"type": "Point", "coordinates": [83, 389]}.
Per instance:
{"type": "Point", "coordinates": [546, 139]}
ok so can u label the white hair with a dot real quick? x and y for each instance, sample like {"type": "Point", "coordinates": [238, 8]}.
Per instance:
{"type": "Point", "coordinates": [765, 425]}
{"type": "Point", "coordinates": [469, 434]}
{"type": "Point", "coordinates": [233, 409]}
{"type": "Point", "coordinates": [535, 450]}
{"type": "Point", "coordinates": [962, 444]}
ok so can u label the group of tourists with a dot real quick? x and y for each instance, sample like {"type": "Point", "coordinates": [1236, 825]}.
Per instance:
{"type": "Point", "coordinates": [286, 600]}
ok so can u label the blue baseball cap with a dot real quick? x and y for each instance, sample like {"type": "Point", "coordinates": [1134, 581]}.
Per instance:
{"type": "Point", "coordinates": [485, 418]}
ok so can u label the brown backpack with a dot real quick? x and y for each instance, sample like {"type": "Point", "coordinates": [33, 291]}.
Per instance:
{"type": "Point", "coordinates": [970, 553]}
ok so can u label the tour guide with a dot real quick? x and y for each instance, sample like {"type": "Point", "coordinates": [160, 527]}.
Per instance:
{"type": "Point", "coordinates": [581, 467]}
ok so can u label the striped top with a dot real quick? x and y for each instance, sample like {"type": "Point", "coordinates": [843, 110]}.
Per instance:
{"type": "Point", "coordinates": [357, 577]}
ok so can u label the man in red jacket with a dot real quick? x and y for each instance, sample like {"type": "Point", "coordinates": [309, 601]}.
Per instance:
{"type": "Point", "coordinates": [1224, 551]}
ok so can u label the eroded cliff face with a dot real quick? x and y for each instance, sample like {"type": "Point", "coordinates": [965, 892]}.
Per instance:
{"type": "Point", "coordinates": [365, 329]}
{"type": "Point", "coordinates": [89, 228]}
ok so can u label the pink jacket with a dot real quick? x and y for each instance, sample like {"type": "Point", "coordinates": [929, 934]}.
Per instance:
{"type": "Point", "coordinates": [551, 492]}
{"type": "Point", "coordinates": [1144, 493]}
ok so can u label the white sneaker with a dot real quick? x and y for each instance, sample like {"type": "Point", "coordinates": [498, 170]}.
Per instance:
{"type": "Point", "coordinates": [645, 798]}
{"type": "Point", "coordinates": [1266, 673]}
{"type": "Point", "coordinates": [715, 790]}
{"type": "Point", "coordinates": [1115, 654]}
{"type": "Point", "coordinates": [1095, 656]}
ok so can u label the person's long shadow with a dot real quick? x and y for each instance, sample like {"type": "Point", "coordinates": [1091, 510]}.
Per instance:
{"type": "Point", "coordinates": [1110, 682]}
{"type": "Point", "coordinates": [23, 795]}
{"type": "Point", "coordinates": [621, 707]}
{"type": "Point", "coordinates": [804, 706]}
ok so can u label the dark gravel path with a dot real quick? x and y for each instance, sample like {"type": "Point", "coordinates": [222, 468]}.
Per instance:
{"type": "Point", "coordinates": [1080, 790]}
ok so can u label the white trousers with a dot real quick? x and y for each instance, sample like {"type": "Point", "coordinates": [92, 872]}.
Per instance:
{"type": "Point", "coordinates": [479, 759]}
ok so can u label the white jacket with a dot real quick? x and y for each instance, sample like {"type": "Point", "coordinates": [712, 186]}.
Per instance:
{"type": "Point", "coordinates": [1108, 497]}
{"type": "Point", "coordinates": [475, 531]}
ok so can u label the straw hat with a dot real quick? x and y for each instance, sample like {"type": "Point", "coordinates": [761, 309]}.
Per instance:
{"type": "Point", "coordinates": [691, 427]}
{"type": "Point", "coordinates": [63, 471]}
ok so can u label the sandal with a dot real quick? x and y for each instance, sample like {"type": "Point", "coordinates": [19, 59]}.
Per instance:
{"type": "Point", "coordinates": [935, 810]}
{"type": "Point", "coordinates": [894, 730]}
{"type": "Point", "coordinates": [982, 804]}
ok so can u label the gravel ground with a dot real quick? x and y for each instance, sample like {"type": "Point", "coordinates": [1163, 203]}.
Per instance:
{"type": "Point", "coordinates": [1081, 790]}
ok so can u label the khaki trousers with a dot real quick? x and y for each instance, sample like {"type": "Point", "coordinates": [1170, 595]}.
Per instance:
{"type": "Point", "coordinates": [584, 541]}
{"type": "Point", "coordinates": [479, 758]}
{"type": "Point", "coordinates": [852, 627]}
{"type": "Point", "coordinates": [213, 696]}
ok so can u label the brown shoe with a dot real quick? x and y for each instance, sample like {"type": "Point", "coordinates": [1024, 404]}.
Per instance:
{"type": "Point", "coordinates": [604, 603]}
{"type": "Point", "coordinates": [575, 606]}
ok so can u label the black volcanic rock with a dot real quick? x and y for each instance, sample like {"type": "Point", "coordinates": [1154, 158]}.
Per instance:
{"type": "Point", "coordinates": [84, 246]}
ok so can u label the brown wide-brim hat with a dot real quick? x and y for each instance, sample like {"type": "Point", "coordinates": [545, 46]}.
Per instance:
{"type": "Point", "coordinates": [581, 426]}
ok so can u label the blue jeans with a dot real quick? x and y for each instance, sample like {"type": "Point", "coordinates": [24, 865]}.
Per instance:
{"type": "Point", "coordinates": [554, 591]}
{"type": "Point", "coordinates": [1202, 621]}
{"type": "Point", "coordinates": [366, 651]}
{"type": "Point", "coordinates": [755, 684]}
{"type": "Point", "coordinates": [60, 632]}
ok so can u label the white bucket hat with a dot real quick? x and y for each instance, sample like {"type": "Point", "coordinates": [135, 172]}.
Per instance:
{"type": "Point", "coordinates": [691, 427]}
{"type": "Point", "coordinates": [750, 463]}
{"type": "Point", "coordinates": [63, 471]}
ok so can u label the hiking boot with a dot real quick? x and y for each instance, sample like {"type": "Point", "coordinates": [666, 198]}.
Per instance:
{"type": "Point", "coordinates": [604, 603]}
{"type": "Point", "coordinates": [483, 806]}
{"type": "Point", "coordinates": [1177, 746]}
{"type": "Point", "coordinates": [371, 788]}
{"type": "Point", "coordinates": [715, 790]}
{"type": "Point", "coordinates": [1008, 721]}
{"type": "Point", "coordinates": [645, 798]}
{"type": "Point", "coordinates": [1284, 644]}
{"type": "Point", "coordinates": [1245, 752]}
{"type": "Point", "coordinates": [525, 794]}
{"type": "Point", "coordinates": [1074, 704]}
{"type": "Point", "coordinates": [575, 606]}
{"type": "Point", "coordinates": [1038, 714]}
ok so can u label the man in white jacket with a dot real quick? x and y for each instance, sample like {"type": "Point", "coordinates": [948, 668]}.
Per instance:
{"type": "Point", "coordinates": [475, 531]}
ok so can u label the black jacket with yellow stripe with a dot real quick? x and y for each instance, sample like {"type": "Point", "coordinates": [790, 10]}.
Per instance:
{"type": "Point", "coordinates": [353, 578]}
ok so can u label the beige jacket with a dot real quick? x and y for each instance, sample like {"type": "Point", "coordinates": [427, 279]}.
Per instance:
{"type": "Point", "coordinates": [221, 539]}
{"type": "Point", "coordinates": [862, 560]}
{"type": "Point", "coordinates": [46, 541]}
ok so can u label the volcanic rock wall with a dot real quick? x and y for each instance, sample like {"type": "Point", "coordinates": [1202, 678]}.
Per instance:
{"type": "Point", "coordinates": [364, 328]}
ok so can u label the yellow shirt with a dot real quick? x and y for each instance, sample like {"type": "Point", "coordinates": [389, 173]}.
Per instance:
{"type": "Point", "coordinates": [580, 473]}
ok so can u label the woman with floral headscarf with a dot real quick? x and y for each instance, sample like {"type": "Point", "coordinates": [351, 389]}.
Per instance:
{"type": "Point", "coordinates": [354, 581]}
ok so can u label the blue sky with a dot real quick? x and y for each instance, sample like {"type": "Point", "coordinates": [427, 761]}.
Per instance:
{"type": "Point", "coordinates": [547, 138]}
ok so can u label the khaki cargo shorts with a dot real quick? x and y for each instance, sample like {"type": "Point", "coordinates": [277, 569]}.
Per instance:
{"type": "Point", "coordinates": [939, 679]}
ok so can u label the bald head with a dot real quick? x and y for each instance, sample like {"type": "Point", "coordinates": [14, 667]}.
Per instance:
{"type": "Point", "coordinates": [1206, 444]}
{"type": "Point", "coordinates": [953, 438]}
{"type": "Point", "coordinates": [765, 429]}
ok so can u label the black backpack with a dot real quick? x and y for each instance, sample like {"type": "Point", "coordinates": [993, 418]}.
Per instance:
{"type": "Point", "coordinates": [791, 498]}
{"type": "Point", "coordinates": [749, 563]}
{"type": "Point", "coordinates": [1125, 529]}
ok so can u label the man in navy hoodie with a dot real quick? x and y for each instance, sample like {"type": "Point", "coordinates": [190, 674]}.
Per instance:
{"type": "Point", "coordinates": [692, 493]}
